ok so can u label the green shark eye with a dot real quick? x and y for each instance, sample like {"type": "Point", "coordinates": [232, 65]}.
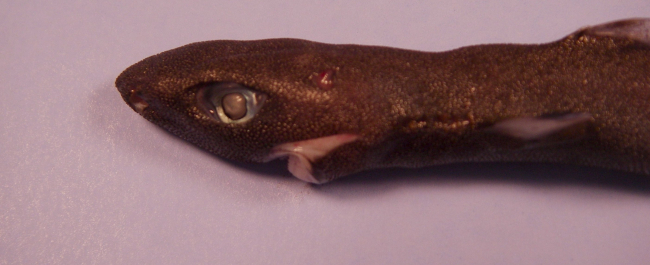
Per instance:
{"type": "Point", "coordinates": [230, 102]}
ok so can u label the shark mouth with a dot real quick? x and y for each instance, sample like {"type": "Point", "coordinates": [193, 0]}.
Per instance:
{"type": "Point", "coordinates": [302, 154]}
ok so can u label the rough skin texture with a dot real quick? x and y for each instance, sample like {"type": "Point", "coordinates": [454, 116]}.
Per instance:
{"type": "Point", "coordinates": [411, 108]}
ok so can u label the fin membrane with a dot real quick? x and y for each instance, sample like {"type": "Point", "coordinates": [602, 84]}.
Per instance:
{"type": "Point", "coordinates": [302, 154]}
{"type": "Point", "coordinates": [634, 29]}
{"type": "Point", "coordinates": [544, 130]}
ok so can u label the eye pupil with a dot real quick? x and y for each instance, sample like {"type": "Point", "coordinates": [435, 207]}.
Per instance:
{"type": "Point", "coordinates": [234, 105]}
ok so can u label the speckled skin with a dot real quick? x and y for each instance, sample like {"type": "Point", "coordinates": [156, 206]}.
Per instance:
{"type": "Point", "coordinates": [410, 108]}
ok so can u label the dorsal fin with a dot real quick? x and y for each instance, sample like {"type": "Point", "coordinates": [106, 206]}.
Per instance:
{"type": "Point", "coordinates": [634, 29]}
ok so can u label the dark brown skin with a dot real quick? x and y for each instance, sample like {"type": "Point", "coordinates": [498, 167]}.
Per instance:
{"type": "Point", "coordinates": [410, 108]}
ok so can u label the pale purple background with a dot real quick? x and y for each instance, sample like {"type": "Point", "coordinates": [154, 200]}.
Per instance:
{"type": "Point", "coordinates": [85, 180]}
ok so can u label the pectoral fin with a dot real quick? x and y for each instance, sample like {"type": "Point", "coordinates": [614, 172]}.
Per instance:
{"type": "Point", "coordinates": [302, 154]}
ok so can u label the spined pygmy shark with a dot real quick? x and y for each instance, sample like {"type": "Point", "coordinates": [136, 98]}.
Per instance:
{"type": "Point", "coordinates": [334, 110]}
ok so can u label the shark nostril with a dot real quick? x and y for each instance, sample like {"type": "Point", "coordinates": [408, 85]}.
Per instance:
{"type": "Point", "coordinates": [137, 102]}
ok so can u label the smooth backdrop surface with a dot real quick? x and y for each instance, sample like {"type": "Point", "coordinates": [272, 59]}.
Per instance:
{"type": "Point", "coordinates": [85, 180]}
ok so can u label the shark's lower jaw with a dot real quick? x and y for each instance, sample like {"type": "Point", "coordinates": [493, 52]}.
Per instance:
{"type": "Point", "coordinates": [302, 154]}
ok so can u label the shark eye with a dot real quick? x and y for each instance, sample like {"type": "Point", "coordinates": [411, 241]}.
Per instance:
{"type": "Point", "coordinates": [230, 102]}
{"type": "Point", "coordinates": [234, 105]}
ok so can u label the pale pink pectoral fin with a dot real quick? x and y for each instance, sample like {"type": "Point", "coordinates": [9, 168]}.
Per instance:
{"type": "Point", "coordinates": [301, 154]}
